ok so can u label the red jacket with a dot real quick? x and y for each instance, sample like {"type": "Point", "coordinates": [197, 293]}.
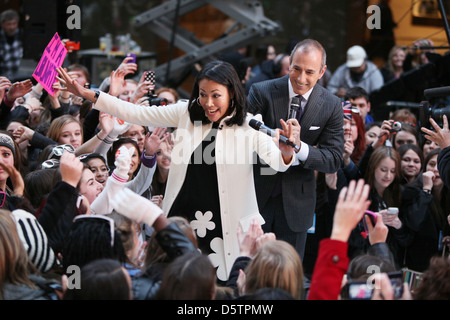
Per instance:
{"type": "Point", "coordinates": [331, 265]}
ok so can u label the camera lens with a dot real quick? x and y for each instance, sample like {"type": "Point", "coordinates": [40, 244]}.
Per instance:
{"type": "Point", "coordinates": [397, 126]}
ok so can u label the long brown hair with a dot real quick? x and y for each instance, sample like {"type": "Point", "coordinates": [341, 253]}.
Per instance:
{"type": "Point", "coordinates": [392, 194]}
{"type": "Point", "coordinates": [15, 265]}
{"type": "Point", "coordinates": [360, 143]}
{"type": "Point", "coordinates": [440, 204]}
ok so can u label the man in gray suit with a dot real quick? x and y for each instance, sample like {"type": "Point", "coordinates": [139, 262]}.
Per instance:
{"type": "Point", "coordinates": [287, 199]}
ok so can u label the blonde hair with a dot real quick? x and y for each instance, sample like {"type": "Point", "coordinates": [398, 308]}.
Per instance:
{"type": "Point", "coordinates": [57, 124]}
{"type": "Point", "coordinates": [276, 265]}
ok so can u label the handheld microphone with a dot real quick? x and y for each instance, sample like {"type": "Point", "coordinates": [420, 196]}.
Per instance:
{"type": "Point", "coordinates": [295, 106]}
{"type": "Point", "coordinates": [259, 126]}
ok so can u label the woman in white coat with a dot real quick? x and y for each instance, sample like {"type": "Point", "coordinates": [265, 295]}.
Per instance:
{"type": "Point", "coordinates": [211, 176]}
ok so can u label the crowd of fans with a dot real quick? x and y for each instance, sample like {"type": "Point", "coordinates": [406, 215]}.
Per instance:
{"type": "Point", "coordinates": [83, 188]}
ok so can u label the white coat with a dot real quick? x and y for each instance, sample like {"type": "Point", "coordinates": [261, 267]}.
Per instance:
{"type": "Point", "coordinates": [234, 155]}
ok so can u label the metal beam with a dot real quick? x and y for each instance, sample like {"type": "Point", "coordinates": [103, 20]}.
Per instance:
{"type": "Point", "coordinates": [251, 25]}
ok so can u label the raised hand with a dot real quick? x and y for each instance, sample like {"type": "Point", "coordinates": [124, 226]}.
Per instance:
{"type": "Point", "coordinates": [142, 89]}
{"type": "Point", "coordinates": [247, 241]}
{"type": "Point", "coordinates": [154, 140]}
{"type": "Point", "coordinates": [23, 133]}
{"type": "Point", "coordinates": [350, 208]}
{"type": "Point", "coordinates": [442, 135]}
{"type": "Point", "coordinates": [19, 89]}
{"type": "Point", "coordinates": [4, 84]}
{"type": "Point", "coordinates": [71, 168]}
{"type": "Point", "coordinates": [15, 177]}
{"type": "Point", "coordinates": [70, 84]}
{"type": "Point", "coordinates": [287, 131]}
{"type": "Point", "coordinates": [117, 82]}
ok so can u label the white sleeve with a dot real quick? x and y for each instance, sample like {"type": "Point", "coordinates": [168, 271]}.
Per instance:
{"type": "Point", "coordinates": [102, 204]}
{"type": "Point", "coordinates": [143, 180]}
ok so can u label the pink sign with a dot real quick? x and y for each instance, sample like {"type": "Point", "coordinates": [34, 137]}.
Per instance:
{"type": "Point", "coordinates": [52, 58]}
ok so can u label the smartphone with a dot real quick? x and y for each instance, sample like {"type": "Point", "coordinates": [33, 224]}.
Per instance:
{"type": "Point", "coordinates": [392, 210]}
{"type": "Point", "coordinates": [397, 283]}
{"type": "Point", "coordinates": [360, 290]}
{"type": "Point", "coordinates": [133, 55]}
{"type": "Point", "coordinates": [372, 216]}
{"type": "Point", "coordinates": [150, 76]}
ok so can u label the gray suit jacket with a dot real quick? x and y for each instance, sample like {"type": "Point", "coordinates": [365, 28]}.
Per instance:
{"type": "Point", "coordinates": [321, 128]}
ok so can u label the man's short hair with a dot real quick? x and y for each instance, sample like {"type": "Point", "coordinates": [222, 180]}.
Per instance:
{"type": "Point", "coordinates": [9, 14]}
{"type": "Point", "coordinates": [307, 45]}
{"type": "Point", "coordinates": [356, 92]}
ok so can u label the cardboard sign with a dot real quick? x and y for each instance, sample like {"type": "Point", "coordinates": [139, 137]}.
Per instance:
{"type": "Point", "coordinates": [52, 58]}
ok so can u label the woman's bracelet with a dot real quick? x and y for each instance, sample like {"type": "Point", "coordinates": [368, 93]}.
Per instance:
{"type": "Point", "coordinates": [106, 140]}
{"type": "Point", "coordinates": [428, 191]}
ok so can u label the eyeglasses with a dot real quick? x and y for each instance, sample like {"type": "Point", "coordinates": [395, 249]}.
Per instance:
{"type": "Point", "coordinates": [99, 217]}
{"type": "Point", "coordinates": [2, 198]}
{"type": "Point", "coordinates": [59, 150]}
{"type": "Point", "coordinates": [373, 218]}
{"type": "Point", "coordinates": [50, 164]}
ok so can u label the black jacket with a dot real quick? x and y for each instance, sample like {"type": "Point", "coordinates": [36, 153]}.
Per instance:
{"type": "Point", "coordinates": [57, 215]}
{"type": "Point", "coordinates": [422, 227]}
{"type": "Point", "coordinates": [444, 166]}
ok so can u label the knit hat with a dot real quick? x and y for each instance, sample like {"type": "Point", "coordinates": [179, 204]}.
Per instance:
{"type": "Point", "coordinates": [34, 240]}
{"type": "Point", "coordinates": [7, 141]}
{"type": "Point", "coordinates": [355, 56]}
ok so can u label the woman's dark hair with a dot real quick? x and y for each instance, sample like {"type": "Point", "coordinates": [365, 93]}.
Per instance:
{"type": "Point", "coordinates": [111, 154]}
{"type": "Point", "coordinates": [359, 266]}
{"type": "Point", "coordinates": [223, 73]}
{"type": "Point", "coordinates": [362, 267]}
{"type": "Point", "coordinates": [101, 279]}
{"type": "Point", "coordinates": [94, 155]}
{"type": "Point", "coordinates": [39, 184]}
{"type": "Point", "coordinates": [408, 128]}
{"type": "Point", "coordinates": [439, 204]}
{"type": "Point", "coordinates": [360, 143]}
{"type": "Point", "coordinates": [409, 146]}
{"type": "Point", "coordinates": [392, 195]}
{"type": "Point", "coordinates": [85, 166]}
{"type": "Point", "coordinates": [372, 124]}
{"type": "Point", "coordinates": [90, 239]}
{"type": "Point", "coordinates": [434, 284]}
{"type": "Point", "coordinates": [16, 154]}
{"type": "Point", "coordinates": [429, 156]}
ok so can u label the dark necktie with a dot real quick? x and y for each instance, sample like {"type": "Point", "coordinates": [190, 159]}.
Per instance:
{"type": "Point", "coordinates": [300, 110]}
